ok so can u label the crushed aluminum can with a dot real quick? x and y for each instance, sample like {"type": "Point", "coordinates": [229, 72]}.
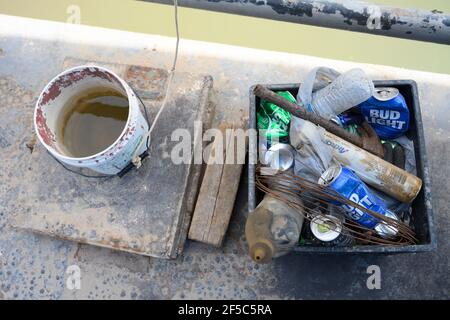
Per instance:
{"type": "Point", "coordinates": [329, 229]}
{"type": "Point", "coordinates": [280, 156]}
{"type": "Point", "coordinates": [383, 229]}
{"type": "Point", "coordinates": [387, 112]}
{"type": "Point", "coordinates": [273, 120]}
{"type": "Point", "coordinates": [346, 182]}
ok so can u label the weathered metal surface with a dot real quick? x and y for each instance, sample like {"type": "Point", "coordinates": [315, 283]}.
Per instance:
{"type": "Point", "coordinates": [33, 266]}
{"type": "Point", "coordinates": [141, 212]}
{"type": "Point", "coordinates": [431, 26]}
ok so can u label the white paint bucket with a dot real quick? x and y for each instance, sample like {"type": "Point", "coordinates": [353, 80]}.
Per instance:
{"type": "Point", "coordinates": [49, 111]}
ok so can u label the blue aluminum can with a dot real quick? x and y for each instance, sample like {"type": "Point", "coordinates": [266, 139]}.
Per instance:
{"type": "Point", "coordinates": [387, 113]}
{"type": "Point", "coordinates": [346, 182]}
{"type": "Point", "coordinates": [345, 119]}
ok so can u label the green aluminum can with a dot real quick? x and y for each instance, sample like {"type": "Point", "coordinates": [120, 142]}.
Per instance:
{"type": "Point", "coordinates": [275, 120]}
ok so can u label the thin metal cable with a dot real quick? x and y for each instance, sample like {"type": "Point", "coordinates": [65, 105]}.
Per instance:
{"type": "Point", "coordinates": [136, 159]}
{"type": "Point", "coordinates": [80, 173]}
{"type": "Point", "coordinates": [172, 71]}
{"type": "Point", "coordinates": [283, 185]}
{"type": "Point", "coordinates": [175, 3]}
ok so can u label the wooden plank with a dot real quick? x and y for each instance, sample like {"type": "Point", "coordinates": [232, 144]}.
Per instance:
{"type": "Point", "coordinates": [217, 195]}
{"type": "Point", "coordinates": [206, 201]}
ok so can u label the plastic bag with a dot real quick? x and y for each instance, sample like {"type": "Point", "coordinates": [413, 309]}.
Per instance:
{"type": "Point", "coordinates": [408, 148]}
{"type": "Point", "coordinates": [312, 156]}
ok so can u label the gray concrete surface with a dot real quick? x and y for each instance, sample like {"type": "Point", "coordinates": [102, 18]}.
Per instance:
{"type": "Point", "coordinates": [33, 266]}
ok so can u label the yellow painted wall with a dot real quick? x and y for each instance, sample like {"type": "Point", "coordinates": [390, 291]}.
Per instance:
{"type": "Point", "coordinates": [152, 18]}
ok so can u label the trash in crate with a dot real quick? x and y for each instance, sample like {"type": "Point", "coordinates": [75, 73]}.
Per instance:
{"type": "Point", "coordinates": [280, 156]}
{"type": "Point", "coordinates": [318, 201]}
{"type": "Point", "coordinates": [353, 176]}
{"type": "Point", "coordinates": [274, 228]}
{"type": "Point", "coordinates": [329, 230]}
{"type": "Point", "coordinates": [274, 121]}
{"type": "Point", "coordinates": [346, 183]}
{"type": "Point", "coordinates": [327, 93]}
{"type": "Point", "coordinates": [387, 112]}
{"type": "Point", "coordinates": [273, 126]}
{"type": "Point", "coordinates": [348, 118]}
{"type": "Point", "coordinates": [312, 157]}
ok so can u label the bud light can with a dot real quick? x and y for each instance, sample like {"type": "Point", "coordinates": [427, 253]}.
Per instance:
{"type": "Point", "coordinates": [387, 113]}
{"type": "Point", "coordinates": [345, 182]}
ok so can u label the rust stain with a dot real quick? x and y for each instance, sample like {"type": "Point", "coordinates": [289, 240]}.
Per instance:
{"type": "Point", "coordinates": [108, 235]}
{"type": "Point", "coordinates": [388, 174]}
{"type": "Point", "coordinates": [55, 90]}
{"type": "Point", "coordinates": [112, 243]}
{"type": "Point", "coordinates": [30, 145]}
{"type": "Point", "coordinates": [44, 131]}
{"type": "Point", "coordinates": [68, 79]}
{"type": "Point", "coordinates": [143, 78]}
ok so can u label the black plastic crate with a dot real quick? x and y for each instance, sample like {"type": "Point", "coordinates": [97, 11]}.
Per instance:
{"type": "Point", "coordinates": [422, 212]}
